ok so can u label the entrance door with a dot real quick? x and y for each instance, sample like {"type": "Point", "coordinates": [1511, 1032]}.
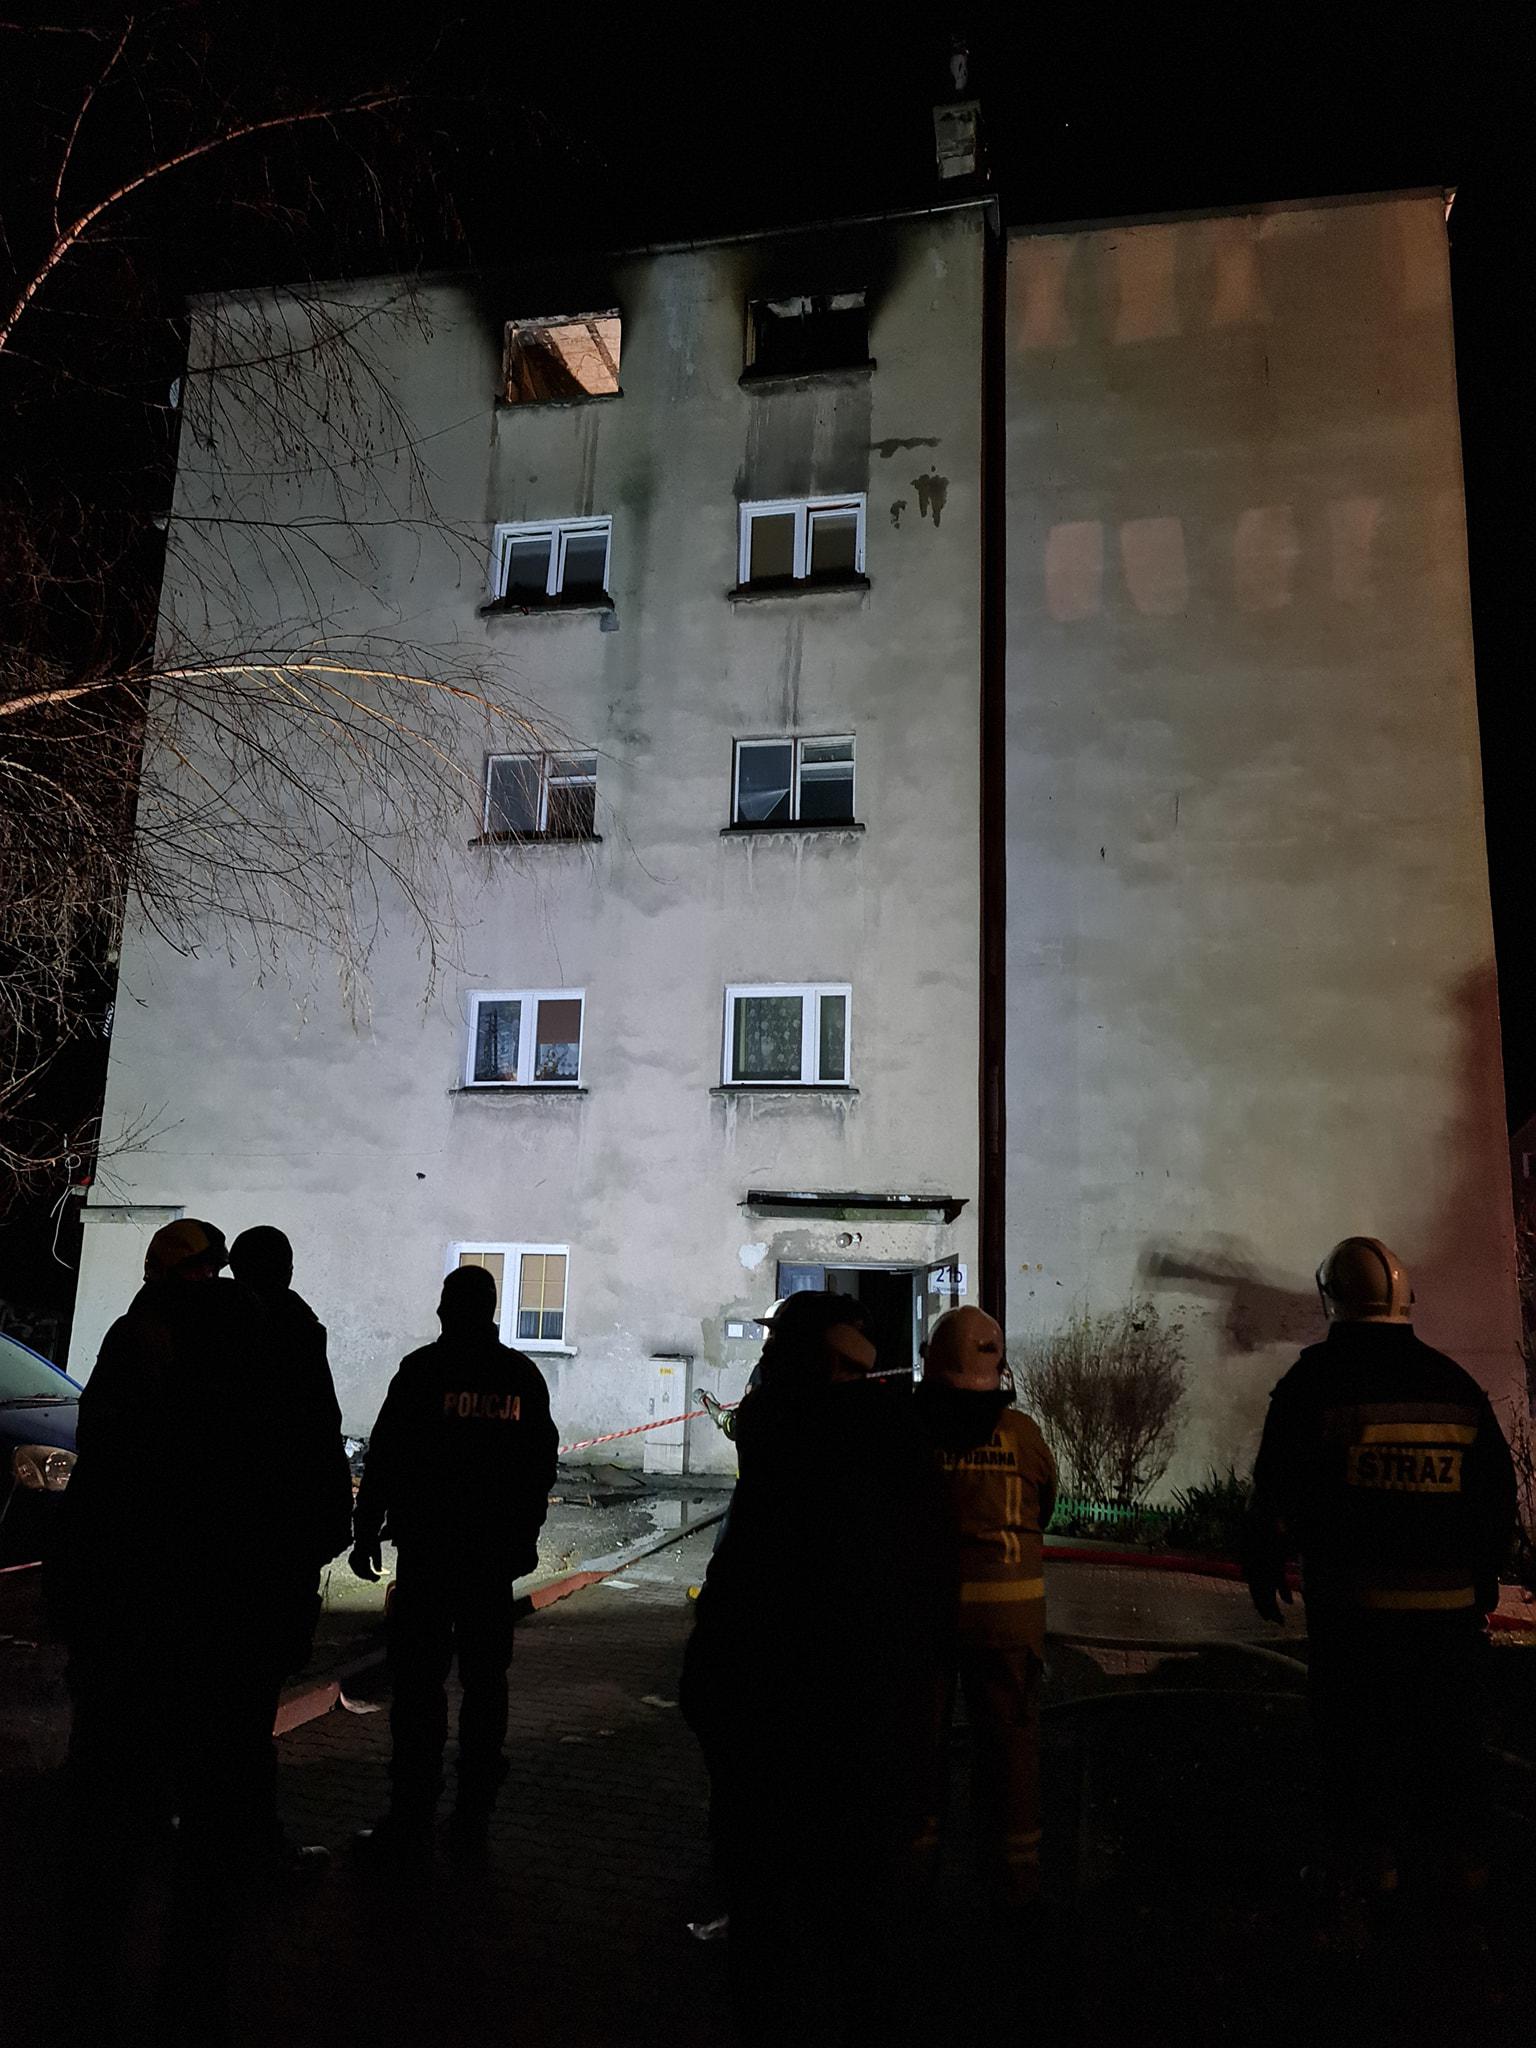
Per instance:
{"type": "Point", "coordinates": [936, 1288]}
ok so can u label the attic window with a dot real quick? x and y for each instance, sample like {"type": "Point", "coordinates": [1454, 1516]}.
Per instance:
{"type": "Point", "coordinates": [568, 356]}
{"type": "Point", "coordinates": [799, 336]}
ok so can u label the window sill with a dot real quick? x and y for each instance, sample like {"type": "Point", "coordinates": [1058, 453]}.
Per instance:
{"type": "Point", "coordinates": [518, 608]}
{"type": "Point", "coordinates": [794, 586]}
{"type": "Point", "coordinates": [505, 404]}
{"type": "Point", "coordinates": [535, 1350]}
{"type": "Point", "coordinates": [785, 1088]}
{"type": "Point", "coordinates": [539, 839]}
{"type": "Point", "coordinates": [819, 828]}
{"type": "Point", "coordinates": [519, 1088]}
{"type": "Point", "coordinates": [789, 380]}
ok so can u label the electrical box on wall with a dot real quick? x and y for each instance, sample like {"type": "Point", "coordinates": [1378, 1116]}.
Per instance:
{"type": "Point", "coordinates": [666, 1445]}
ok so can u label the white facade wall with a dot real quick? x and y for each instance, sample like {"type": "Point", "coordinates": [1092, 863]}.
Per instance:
{"type": "Point", "coordinates": [1251, 1002]}
{"type": "Point", "coordinates": [355, 1137]}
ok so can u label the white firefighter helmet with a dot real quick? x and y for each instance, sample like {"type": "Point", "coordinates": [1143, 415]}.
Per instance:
{"type": "Point", "coordinates": [1364, 1281]}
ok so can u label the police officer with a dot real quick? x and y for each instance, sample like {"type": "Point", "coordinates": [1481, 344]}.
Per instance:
{"type": "Point", "coordinates": [1383, 1468]}
{"type": "Point", "coordinates": [460, 1463]}
{"type": "Point", "coordinates": [998, 1483]}
{"type": "Point", "coordinates": [310, 1519]}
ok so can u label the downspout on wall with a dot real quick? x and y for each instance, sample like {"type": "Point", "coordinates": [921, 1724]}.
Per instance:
{"type": "Point", "coordinates": [993, 1159]}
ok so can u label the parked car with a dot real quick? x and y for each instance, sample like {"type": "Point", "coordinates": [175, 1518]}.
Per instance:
{"type": "Point", "coordinates": [38, 1408]}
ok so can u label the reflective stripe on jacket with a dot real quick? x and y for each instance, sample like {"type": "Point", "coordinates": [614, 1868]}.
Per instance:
{"type": "Point", "coordinates": [999, 1495]}
{"type": "Point", "coordinates": [1384, 1467]}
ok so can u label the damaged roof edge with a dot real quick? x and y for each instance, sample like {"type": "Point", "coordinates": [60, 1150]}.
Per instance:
{"type": "Point", "coordinates": [602, 253]}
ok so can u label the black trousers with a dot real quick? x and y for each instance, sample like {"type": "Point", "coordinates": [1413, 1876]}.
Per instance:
{"type": "Point", "coordinates": [177, 1722]}
{"type": "Point", "coordinates": [438, 1613]}
{"type": "Point", "coordinates": [1397, 1714]}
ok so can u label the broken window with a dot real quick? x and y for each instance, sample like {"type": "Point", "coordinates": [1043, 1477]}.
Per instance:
{"type": "Point", "coordinates": [533, 564]}
{"type": "Point", "coordinates": [787, 1036]}
{"type": "Point", "coordinates": [568, 356]}
{"type": "Point", "coordinates": [799, 336]}
{"type": "Point", "coordinates": [541, 796]}
{"type": "Point", "coordinates": [531, 1286]}
{"type": "Point", "coordinates": [795, 540]}
{"type": "Point", "coordinates": [522, 1036]}
{"type": "Point", "coordinates": [793, 781]}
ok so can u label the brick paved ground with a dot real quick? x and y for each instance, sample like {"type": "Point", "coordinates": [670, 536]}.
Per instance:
{"type": "Point", "coordinates": [1176, 1829]}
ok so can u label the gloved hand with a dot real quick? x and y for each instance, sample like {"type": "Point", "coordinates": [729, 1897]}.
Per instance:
{"type": "Point", "coordinates": [1266, 1589]}
{"type": "Point", "coordinates": [367, 1559]}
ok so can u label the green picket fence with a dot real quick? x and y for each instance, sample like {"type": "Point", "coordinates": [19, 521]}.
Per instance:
{"type": "Point", "coordinates": [1074, 1511]}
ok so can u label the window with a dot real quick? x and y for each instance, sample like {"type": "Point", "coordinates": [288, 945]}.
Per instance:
{"type": "Point", "coordinates": [549, 796]}
{"type": "Point", "coordinates": [793, 782]}
{"type": "Point", "coordinates": [799, 336]}
{"type": "Point", "coordinates": [794, 540]}
{"type": "Point", "coordinates": [569, 356]}
{"type": "Point", "coordinates": [531, 1036]}
{"type": "Point", "coordinates": [562, 558]}
{"type": "Point", "coordinates": [787, 1037]}
{"type": "Point", "coordinates": [530, 1289]}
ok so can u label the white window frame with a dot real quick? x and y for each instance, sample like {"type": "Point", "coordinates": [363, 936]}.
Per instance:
{"type": "Point", "coordinates": [506, 1306]}
{"type": "Point", "coordinates": [558, 532]}
{"type": "Point", "coordinates": [546, 781]}
{"type": "Point", "coordinates": [527, 1033]}
{"type": "Point", "coordinates": [811, 993]}
{"type": "Point", "coordinates": [806, 512]}
{"type": "Point", "coordinates": [794, 741]}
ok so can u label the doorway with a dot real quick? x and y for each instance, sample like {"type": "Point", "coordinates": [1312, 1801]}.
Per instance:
{"type": "Point", "coordinates": [901, 1302]}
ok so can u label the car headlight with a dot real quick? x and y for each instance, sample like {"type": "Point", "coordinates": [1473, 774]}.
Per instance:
{"type": "Point", "coordinates": [42, 1468]}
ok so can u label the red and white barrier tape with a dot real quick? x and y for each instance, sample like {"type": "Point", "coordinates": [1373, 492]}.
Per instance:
{"type": "Point", "coordinates": [720, 1408]}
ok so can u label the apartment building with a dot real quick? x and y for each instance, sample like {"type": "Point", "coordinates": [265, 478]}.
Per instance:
{"type": "Point", "coordinates": [1000, 818]}
{"type": "Point", "coordinates": [1250, 980]}
{"type": "Point", "coordinates": [712, 1034]}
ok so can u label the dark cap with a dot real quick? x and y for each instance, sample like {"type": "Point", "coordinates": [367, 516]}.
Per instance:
{"type": "Point", "coordinates": [469, 1296]}
{"type": "Point", "coordinates": [187, 1242]}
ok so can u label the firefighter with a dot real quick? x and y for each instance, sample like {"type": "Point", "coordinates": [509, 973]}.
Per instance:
{"type": "Point", "coordinates": [999, 1486]}
{"type": "Point", "coordinates": [1383, 1468]}
{"type": "Point", "coordinates": [460, 1463]}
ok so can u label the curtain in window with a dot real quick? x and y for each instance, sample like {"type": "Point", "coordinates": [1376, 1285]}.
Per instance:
{"type": "Point", "coordinates": [766, 1039]}
{"type": "Point", "coordinates": [496, 1032]}
{"type": "Point", "coordinates": [541, 1297]}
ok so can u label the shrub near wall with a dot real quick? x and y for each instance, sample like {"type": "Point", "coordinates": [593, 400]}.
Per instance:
{"type": "Point", "coordinates": [1106, 1390]}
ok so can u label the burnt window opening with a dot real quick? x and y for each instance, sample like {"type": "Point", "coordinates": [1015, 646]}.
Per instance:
{"type": "Point", "coordinates": [801, 336]}
{"type": "Point", "coordinates": [569, 356]}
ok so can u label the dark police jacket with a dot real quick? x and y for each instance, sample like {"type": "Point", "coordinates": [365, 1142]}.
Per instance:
{"type": "Point", "coordinates": [1382, 1464]}
{"type": "Point", "coordinates": [821, 1611]}
{"type": "Point", "coordinates": [318, 1523]}
{"type": "Point", "coordinates": [181, 1453]}
{"type": "Point", "coordinates": [462, 1456]}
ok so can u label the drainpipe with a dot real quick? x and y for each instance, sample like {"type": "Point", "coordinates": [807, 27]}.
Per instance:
{"type": "Point", "coordinates": [993, 1163]}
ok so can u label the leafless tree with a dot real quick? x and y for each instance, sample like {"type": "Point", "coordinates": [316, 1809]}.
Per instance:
{"type": "Point", "coordinates": [291, 785]}
{"type": "Point", "coordinates": [1106, 1390]}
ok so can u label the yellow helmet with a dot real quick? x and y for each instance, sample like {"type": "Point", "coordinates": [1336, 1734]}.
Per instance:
{"type": "Point", "coordinates": [1364, 1281]}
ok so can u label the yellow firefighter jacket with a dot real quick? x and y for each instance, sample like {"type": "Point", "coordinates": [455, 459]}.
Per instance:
{"type": "Point", "coordinates": [999, 1494]}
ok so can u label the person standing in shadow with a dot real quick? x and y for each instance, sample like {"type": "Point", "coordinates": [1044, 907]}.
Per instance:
{"type": "Point", "coordinates": [459, 1466]}
{"type": "Point", "coordinates": [311, 1512]}
{"type": "Point", "coordinates": [807, 1679]}
{"type": "Point", "coordinates": [169, 1658]}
